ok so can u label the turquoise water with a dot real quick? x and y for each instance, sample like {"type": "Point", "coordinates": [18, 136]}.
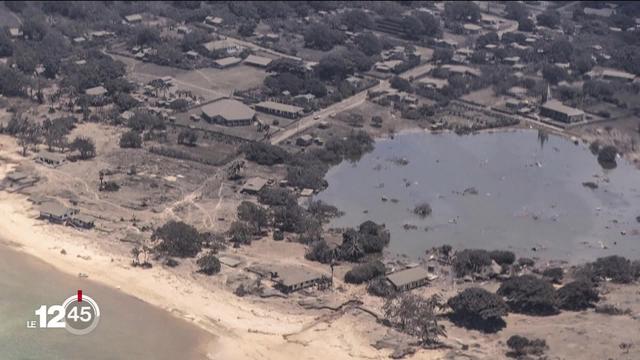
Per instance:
{"type": "Point", "coordinates": [529, 195]}
{"type": "Point", "coordinates": [128, 329]}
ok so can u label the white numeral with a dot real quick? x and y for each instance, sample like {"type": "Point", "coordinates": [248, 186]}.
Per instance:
{"type": "Point", "coordinates": [56, 322]}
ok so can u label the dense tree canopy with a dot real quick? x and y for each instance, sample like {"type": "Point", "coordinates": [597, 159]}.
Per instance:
{"type": "Point", "coordinates": [356, 20]}
{"type": "Point", "coordinates": [85, 146]}
{"type": "Point", "coordinates": [368, 43]}
{"type": "Point", "coordinates": [465, 11]}
{"type": "Point", "coordinates": [253, 214]}
{"type": "Point", "coordinates": [528, 294]}
{"type": "Point", "coordinates": [131, 139]}
{"type": "Point", "coordinates": [12, 82]}
{"type": "Point", "coordinates": [178, 239]}
{"type": "Point", "coordinates": [577, 295]}
{"type": "Point", "coordinates": [322, 37]}
{"type": "Point", "coordinates": [616, 268]}
{"type": "Point", "coordinates": [471, 261]}
{"type": "Point", "coordinates": [264, 154]}
{"type": "Point", "coordinates": [477, 308]}
{"type": "Point", "coordinates": [549, 18]}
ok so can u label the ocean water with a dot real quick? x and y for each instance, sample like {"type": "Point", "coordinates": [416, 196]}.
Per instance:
{"type": "Point", "coordinates": [128, 329]}
{"type": "Point", "coordinates": [530, 196]}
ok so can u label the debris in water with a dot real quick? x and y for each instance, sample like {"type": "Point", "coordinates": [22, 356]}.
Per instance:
{"type": "Point", "coordinates": [470, 191]}
{"type": "Point", "coordinates": [590, 184]}
{"type": "Point", "coordinates": [399, 161]}
{"type": "Point", "coordinates": [423, 209]}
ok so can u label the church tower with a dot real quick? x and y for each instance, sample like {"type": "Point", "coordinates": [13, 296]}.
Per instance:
{"type": "Point", "coordinates": [547, 95]}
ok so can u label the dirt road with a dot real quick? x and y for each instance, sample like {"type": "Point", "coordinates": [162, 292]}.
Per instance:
{"type": "Point", "coordinates": [308, 121]}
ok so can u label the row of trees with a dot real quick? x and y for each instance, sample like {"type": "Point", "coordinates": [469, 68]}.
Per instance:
{"type": "Point", "coordinates": [53, 133]}
{"type": "Point", "coordinates": [369, 238]}
{"type": "Point", "coordinates": [307, 170]}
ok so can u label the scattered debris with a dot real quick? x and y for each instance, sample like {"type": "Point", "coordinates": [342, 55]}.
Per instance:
{"type": "Point", "coordinates": [470, 191]}
{"type": "Point", "coordinates": [399, 161]}
{"type": "Point", "coordinates": [422, 209]}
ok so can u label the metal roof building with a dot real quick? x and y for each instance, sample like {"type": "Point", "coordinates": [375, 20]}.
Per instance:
{"type": "Point", "coordinates": [96, 91]}
{"type": "Point", "coordinates": [408, 279]}
{"type": "Point", "coordinates": [219, 45]}
{"type": "Point", "coordinates": [51, 159]}
{"type": "Point", "coordinates": [292, 278]}
{"type": "Point", "coordinates": [133, 18]}
{"type": "Point", "coordinates": [284, 110]}
{"type": "Point", "coordinates": [258, 61]}
{"type": "Point", "coordinates": [55, 212]}
{"type": "Point", "coordinates": [228, 112]}
{"type": "Point", "coordinates": [253, 185]}
{"type": "Point", "coordinates": [556, 110]}
{"type": "Point", "coordinates": [227, 62]}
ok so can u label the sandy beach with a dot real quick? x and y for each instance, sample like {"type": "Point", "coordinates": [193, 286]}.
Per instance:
{"type": "Point", "coordinates": [239, 329]}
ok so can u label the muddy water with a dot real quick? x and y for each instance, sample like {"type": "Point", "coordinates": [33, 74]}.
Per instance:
{"type": "Point", "coordinates": [128, 329]}
{"type": "Point", "coordinates": [529, 195]}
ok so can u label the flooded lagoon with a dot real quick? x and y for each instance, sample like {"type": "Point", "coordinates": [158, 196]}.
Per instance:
{"type": "Point", "coordinates": [128, 328]}
{"type": "Point", "coordinates": [524, 192]}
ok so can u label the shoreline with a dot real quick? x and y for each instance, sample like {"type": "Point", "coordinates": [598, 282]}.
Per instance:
{"type": "Point", "coordinates": [181, 338]}
{"type": "Point", "coordinates": [239, 329]}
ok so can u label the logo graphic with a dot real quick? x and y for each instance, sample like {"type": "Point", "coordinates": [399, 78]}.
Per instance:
{"type": "Point", "coordinates": [78, 314]}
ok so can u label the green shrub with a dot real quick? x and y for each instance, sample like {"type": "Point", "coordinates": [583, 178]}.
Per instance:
{"type": "Point", "coordinates": [209, 264]}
